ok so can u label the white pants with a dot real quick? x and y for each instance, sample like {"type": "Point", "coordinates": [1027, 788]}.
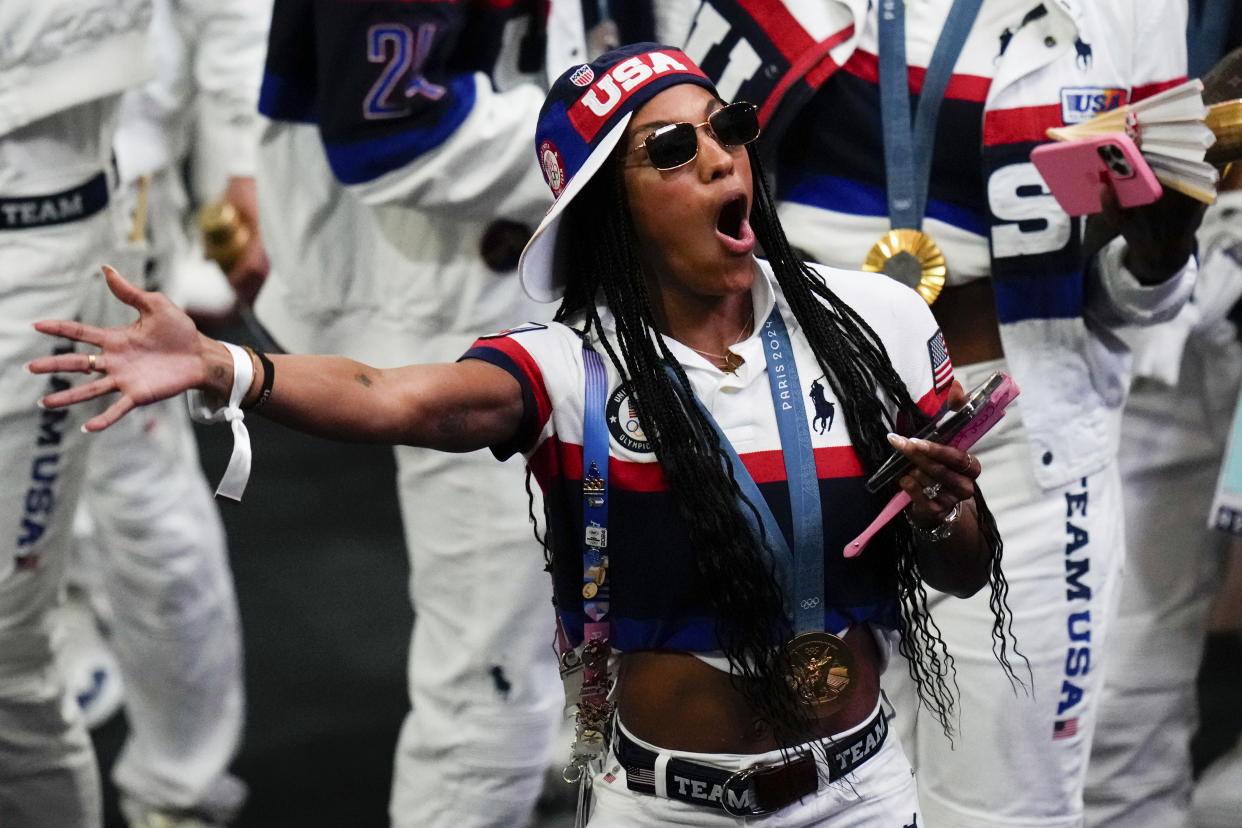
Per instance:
{"type": "Point", "coordinates": [156, 560]}
{"type": "Point", "coordinates": [1217, 798]}
{"type": "Point", "coordinates": [163, 567]}
{"type": "Point", "coordinates": [1019, 757]}
{"type": "Point", "coordinates": [485, 692]}
{"type": "Point", "coordinates": [47, 770]}
{"type": "Point", "coordinates": [1172, 442]}
{"type": "Point", "coordinates": [880, 793]}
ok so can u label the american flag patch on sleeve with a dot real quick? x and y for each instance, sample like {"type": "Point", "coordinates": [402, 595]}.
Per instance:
{"type": "Point", "coordinates": [1065, 728]}
{"type": "Point", "coordinates": [942, 367]}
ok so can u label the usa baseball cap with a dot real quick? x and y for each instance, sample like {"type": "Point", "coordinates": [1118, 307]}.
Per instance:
{"type": "Point", "coordinates": [581, 121]}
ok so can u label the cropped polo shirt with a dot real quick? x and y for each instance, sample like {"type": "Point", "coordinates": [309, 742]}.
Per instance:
{"type": "Point", "coordinates": [657, 601]}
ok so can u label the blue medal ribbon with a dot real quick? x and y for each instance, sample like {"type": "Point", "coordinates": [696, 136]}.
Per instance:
{"type": "Point", "coordinates": [801, 572]}
{"type": "Point", "coordinates": [907, 151]}
{"type": "Point", "coordinates": [1206, 28]}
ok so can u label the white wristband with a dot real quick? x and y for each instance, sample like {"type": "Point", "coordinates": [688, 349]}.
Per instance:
{"type": "Point", "coordinates": [233, 483]}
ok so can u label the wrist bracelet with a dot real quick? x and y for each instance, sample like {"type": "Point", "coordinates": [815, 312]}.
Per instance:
{"type": "Point", "coordinates": [942, 530]}
{"type": "Point", "coordinates": [269, 376]}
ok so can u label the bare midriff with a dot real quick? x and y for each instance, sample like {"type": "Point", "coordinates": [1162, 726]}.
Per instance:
{"type": "Point", "coordinates": [967, 316]}
{"type": "Point", "coordinates": [674, 700]}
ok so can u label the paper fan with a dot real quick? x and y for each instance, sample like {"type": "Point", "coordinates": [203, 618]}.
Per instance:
{"type": "Point", "coordinates": [1173, 130]}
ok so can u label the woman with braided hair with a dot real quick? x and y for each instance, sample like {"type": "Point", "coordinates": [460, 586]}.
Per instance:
{"type": "Point", "coordinates": [731, 654]}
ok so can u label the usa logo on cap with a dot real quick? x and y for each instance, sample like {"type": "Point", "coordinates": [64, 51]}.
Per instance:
{"type": "Point", "coordinates": [582, 76]}
{"type": "Point", "coordinates": [582, 121]}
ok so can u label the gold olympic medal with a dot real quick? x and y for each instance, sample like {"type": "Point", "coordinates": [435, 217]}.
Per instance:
{"type": "Point", "coordinates": [589, 590]}
{"type": "Point", "coordinates": [822, 666]}
{"type": "Point", "coordinates": [910, 257]}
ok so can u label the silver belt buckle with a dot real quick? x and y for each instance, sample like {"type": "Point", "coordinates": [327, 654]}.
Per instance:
{"type": "Point", "coordinates": [743, 776]}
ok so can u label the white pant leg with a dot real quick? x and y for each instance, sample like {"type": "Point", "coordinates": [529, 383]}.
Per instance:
{"type": "Point", "coordinates": [1217, 798]}
{"type": "Point", "coordinates": [1063, 551]}
{"type": "Point", "coordinates": [484, 686]}
{"type": "Point", "coordinates": [164, 574]}
{"type": "Point", "coordinates": [47, 770]}
{"type": "Point", "coordinates": [1172, 442]}
{"type": "Point", "coordinates": [175, 632]}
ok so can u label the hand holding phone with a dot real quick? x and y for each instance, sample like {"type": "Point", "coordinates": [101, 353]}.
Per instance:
{"type": "Point", "coordinates": [984, 407]}
{"type": "Point", "coordinates": [961, 428]}
{"type": "Point", "coordinates": [1074, 170]}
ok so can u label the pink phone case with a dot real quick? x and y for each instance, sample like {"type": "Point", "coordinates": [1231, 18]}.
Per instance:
{"type": "Point", "coordinates": [1073, 170]}
{"type": "Point", "coordinates": [989, 415]}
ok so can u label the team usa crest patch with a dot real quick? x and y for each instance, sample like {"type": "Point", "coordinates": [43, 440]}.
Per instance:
{"type": "Point", "coordinates": [623, 422]}
{"type": "Point", "coordinates": [941, 365]}
{"type": "Point", "coordinates": [582, 76]}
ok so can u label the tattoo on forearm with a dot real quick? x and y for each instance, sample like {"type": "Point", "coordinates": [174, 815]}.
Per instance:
{"type": "Point", "coordinates": [219, 373]}
{"type": "Point", "coordinates": [364, 379]}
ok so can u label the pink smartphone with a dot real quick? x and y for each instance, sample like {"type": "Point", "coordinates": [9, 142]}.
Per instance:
{"type": "Point", "coordinates": [960, 428]}
{"type": "Point", "coordinates": [1074, 170]}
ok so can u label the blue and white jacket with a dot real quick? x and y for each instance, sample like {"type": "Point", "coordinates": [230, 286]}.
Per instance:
{"type": "Point", "coordinates": [1060, 62]}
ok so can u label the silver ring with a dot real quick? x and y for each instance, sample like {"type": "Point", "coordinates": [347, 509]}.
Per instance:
{"type": "Point", "coordinates": [931, 491]}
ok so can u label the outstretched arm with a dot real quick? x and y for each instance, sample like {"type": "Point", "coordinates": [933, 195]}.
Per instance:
{"type": "Point", "coordinates": [453, 407]}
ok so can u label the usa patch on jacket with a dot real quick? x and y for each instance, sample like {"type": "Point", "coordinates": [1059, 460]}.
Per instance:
{"type": "Point", "coordinates": [1082, 103]}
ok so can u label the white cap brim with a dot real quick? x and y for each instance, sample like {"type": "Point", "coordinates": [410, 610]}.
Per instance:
{"type": "Point", "coordinates": [537, 264]}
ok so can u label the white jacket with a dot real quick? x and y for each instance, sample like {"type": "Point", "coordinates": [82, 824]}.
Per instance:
{"type": "Point", "coordinates": [203, 102]}
{"type": "Point", "coordinates": [1056, 322]}
{"type": "Point", "coordinates": [56, 54]}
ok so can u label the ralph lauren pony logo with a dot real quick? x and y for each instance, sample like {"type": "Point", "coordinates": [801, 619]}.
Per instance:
{"type": "Point", "coordinates": [825, 410]}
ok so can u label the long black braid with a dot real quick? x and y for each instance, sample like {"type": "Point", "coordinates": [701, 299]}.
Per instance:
{"type": "Point", "coordinates": [750, 611]}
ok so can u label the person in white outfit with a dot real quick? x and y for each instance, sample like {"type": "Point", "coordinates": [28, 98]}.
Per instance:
{"type": "Point", "coordinates": [946, 199]}
{"type": "Point", "coordinates": [151, 544]}
{"type": "Point", "coordinates": [63, 67]}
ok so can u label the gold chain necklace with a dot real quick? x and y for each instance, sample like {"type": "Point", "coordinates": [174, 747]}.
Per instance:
{"type": "Point", "coordinates": [729, 361]}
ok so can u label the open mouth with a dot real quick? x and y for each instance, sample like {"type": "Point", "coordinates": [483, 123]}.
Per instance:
{"type": "Point", "coordinates": [732, 219]}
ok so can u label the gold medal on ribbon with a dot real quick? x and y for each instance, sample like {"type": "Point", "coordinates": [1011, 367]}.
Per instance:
{"type": "Point", "coordinates": [910, 257]}
{"type": "Point", "coordinates": [822, 670]}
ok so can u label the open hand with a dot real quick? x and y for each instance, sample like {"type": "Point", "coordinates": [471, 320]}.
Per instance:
{"type": "Point", "coordinates": [158, 356]}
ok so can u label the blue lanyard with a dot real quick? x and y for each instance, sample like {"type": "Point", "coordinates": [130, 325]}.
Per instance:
{"type": "Point", "coordinates": [801, 572]}
{"type": "Point", "coordinates": [595, 489]}
{"type": "Point", "coordinates": [908, 152]}
{"type": "Point", "coordinates": [1205, 34]}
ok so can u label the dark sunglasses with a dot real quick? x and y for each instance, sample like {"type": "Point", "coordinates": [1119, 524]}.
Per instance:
{"type": "Point", "coordinates": [675, 145]}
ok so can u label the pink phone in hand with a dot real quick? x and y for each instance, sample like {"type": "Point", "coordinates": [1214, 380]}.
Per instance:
{"type": "Point", "coordinates": [1074, 170]}
{"type": "Point", "coordinates": [983, 409]}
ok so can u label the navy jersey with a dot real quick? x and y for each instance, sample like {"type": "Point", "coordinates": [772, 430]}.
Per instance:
{"type": "Point", "coordinates": [386, 80]}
